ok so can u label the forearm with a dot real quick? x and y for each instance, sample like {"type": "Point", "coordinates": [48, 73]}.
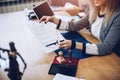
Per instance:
{"type": "Point", "coordinates": [88, 48]}
{"type": "Point", "coordinates": [73, 26]}
{"type": "Point", "coordinates": [78, 25]}
{"type": "Point", "coordinates": [79, 46]}
{"type": "Point", "coordinates": [55, 20]}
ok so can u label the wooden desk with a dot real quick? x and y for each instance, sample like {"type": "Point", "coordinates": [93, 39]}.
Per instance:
{"type": "Point", "coordinates": [13, 28]}
{"type": "Point", "coordinates": [98, 67]}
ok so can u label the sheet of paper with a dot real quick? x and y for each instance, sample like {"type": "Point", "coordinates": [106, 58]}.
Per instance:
{"type": "Point", "coordinates": [64, 77]}
{"type": "Point", "coordinates": [45, 33]}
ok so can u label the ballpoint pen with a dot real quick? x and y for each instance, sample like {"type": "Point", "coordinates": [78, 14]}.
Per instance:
{"type": "Point", "coordinates": [54, 43]}
{"type": "Point", "coordinates": [58, 40]}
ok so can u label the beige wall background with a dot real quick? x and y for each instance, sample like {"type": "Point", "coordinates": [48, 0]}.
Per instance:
{"type": "Point", "coordinates": [21, 7]}
{"type": "Point", "coordinates": [62, 2]}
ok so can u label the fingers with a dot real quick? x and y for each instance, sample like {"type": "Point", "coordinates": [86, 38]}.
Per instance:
{"type": "Point", "coordinates": [65, 44]}
{"type": "Point", "coordinates": [42, 19]}
{"type": "Point", "coordinates": [45, 19]}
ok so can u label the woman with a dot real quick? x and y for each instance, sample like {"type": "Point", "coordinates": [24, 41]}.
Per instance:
{"type": "Point", "coordinates": [104, 24]}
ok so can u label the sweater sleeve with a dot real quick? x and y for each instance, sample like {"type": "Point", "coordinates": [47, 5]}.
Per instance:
{"type": "Point", "coordinates": [80, 24]}
{"type": "Point", "coordinates": [111, 39]}
{"type": "Point", "coordinates": [75, 26]}
{"type": "Point", "coordinates": [91, 49]}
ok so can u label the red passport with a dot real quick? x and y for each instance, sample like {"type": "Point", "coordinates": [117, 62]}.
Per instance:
{"type": "Point", "coordinates": [65, 68]}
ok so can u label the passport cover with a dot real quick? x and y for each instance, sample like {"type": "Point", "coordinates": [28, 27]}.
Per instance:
{"type": "Point", "coordinates": [64, 68]}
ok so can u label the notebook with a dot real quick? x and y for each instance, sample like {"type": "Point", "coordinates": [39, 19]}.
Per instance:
{"type": "Point", "coordinates": [43, 9]}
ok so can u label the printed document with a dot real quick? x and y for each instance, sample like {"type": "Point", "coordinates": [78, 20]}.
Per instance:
{"type": "Point", "coordinates": [64, 77]}
{"type": "Point", "coordinates": [45, 33]}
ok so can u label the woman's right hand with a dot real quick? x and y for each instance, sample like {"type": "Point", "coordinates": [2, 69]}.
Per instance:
{"type": "Point", "coordinates": [46, 19]}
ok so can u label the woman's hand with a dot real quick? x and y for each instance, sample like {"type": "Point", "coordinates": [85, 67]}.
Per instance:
{"type": "Point", "coordinates": [49, 18]}
{"type": "Point", "coordinates": [66, 44]}
{"type": "Point", "coordinates": [46, 19]}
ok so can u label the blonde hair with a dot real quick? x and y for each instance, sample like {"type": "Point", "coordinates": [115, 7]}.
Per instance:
{"type": "Point", "coordinates": [110, 10]}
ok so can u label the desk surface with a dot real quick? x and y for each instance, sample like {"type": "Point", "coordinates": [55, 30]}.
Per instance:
{"type": "Point", "coordinates": [13, 28]}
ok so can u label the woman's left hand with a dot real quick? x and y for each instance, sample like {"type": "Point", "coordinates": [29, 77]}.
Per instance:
{"type": "Point", "coordinates": [66, 44]}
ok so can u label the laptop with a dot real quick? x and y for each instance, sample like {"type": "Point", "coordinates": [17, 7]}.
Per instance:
{"type": "Point", "coordinates": [43, 10]}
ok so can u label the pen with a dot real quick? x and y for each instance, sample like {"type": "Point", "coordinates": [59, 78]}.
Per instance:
{"type": "Point", "coordinates": [54, 43]}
